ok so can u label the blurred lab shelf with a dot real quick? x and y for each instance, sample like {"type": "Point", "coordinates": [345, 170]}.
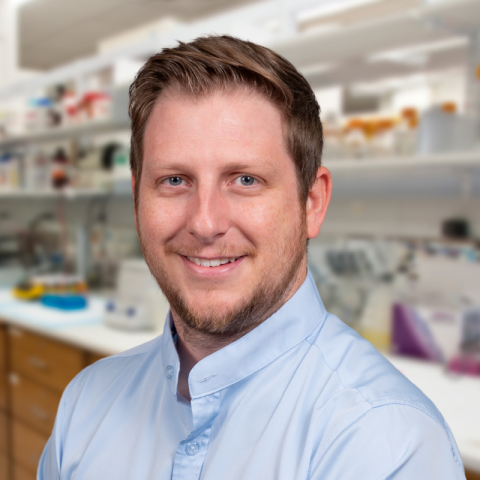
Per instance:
{"type": "Point", "coordinates": [453, 160]}
{"type": "Point", "coordinates": [358, 40]}
{"type": "Point", "coordinates": [62, 133]}
{"type": "Point", "coordinates": [346, 53]}
{"type": "Point", "coordinates": [315, 49]}
{"type": "Point", "coordinates": [441, 175]}
{"type": "Point", "coordinates": [67, 194]}
{"type": "Point", "coordinates": [80, 68]}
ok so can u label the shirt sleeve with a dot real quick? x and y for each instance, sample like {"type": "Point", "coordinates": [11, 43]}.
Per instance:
{"type": "Point", "coordinates": [394, 442]}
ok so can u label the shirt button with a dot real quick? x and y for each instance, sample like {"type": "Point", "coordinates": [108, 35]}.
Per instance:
{"type": "Point", "coordinates": [169, 371]}
{"type": "Point", "coordinates": [191, 449]}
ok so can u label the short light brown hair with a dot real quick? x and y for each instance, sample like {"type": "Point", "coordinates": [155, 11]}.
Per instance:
{"type": "Point", "coordinates": [211, 63]}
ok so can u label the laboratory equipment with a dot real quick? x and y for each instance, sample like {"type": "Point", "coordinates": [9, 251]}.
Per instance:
{"type": "Point", "coordinates": [139, 304]}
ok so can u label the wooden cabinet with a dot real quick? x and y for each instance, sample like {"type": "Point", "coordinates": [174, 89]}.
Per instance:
{"type": "Point", "coordinates": [19, 473]}
{"type": "Point", "coordinates": [43, 360]}
{"type": "Point", "coordinates": [93, 357]}
{"type": "Point", "coordinates": [27, 446]}
{"type": "Point", "coordinates": [3, 348]}
{"type": "Point", "coordinates": [34, 371]}
{"type": "Point", "coordinates": [4, 419]}
{"type": "Point", "coordinates": [33, 403]}
{"type": "Point", "coordinates": [4, 474]}
{"type": "Point", "coordinates": [3, 433]}
{"type": "Point", "coordinates": [39, 370]}
{"type": "Point", "coordinates": [3, 390]}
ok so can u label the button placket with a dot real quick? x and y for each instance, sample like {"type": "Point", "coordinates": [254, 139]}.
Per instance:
{"type": "Point", "coordinates": [191, 452]}
{"type": "Point", "coordinates": [192, 449]}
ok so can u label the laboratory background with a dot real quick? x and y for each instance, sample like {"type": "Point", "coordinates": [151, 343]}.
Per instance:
{"type": "Point", "coordinates": [398, 82]}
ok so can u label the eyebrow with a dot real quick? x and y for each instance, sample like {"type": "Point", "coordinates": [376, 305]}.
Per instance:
{"type": "Point", "coordinates": [174, 165]}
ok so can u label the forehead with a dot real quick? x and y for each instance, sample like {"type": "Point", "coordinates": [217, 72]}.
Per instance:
{"type": "Point", "coordinates": [228, 123]}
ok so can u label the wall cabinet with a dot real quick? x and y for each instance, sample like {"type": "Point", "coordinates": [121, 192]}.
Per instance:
{"type": "Point", "coordinates": [34, 371]}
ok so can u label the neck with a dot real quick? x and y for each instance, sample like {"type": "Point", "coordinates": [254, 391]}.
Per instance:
{"type": "Point", "coordinates": [193, 346]}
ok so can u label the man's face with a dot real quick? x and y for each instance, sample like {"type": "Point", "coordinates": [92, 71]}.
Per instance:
{"type": "Point", "coordinates": [219, 215]}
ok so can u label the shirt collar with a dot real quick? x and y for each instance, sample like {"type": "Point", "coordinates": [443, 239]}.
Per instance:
{"type": "Point", "coordinates": [285, 329]}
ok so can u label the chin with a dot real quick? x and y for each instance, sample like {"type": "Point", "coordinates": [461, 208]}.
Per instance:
{"type": "Point", "coordinates": [213, 307]}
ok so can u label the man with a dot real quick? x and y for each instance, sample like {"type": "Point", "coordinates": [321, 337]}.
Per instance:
{"type": "Point", "coordinates": [252, 378]}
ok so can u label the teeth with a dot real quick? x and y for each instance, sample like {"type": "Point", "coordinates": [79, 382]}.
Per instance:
{"type": "Point", "coordinates": [211, 263]}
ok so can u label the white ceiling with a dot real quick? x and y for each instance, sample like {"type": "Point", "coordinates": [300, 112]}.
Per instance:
{"type": "Point", "coordinates": [53, 32]}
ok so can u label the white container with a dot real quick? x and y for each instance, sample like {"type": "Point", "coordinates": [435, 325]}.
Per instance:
{"type": "Point", "coordinates": [139, 303]}
{"type": "Point", "coordinates": [441, 131]}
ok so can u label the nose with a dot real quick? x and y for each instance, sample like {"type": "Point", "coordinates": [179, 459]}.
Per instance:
{"type": "Point", "coordinates": [208, 214]}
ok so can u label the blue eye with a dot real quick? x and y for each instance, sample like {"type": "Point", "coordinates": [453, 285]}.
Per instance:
{"type": "Point", "coordinates": [247, 181]}
{"type": "Point", "coordinates": [175, 181]}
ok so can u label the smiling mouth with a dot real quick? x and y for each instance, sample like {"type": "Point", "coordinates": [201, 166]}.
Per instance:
{"type": "Point", "coordinates": [214, 262]}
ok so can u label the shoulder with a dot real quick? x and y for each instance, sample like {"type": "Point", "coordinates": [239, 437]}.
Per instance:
{"type": "Point", "coordinates": [112, 374]}
{"type": "Point", "coordinates": [390, 441]}
{"type": "Point", "coordinates": [359, 366]}
{"type": "Point", "coordinates": [385, 416]}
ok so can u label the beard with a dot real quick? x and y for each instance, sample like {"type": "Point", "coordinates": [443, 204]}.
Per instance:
{"type": "Point", "coordinates": [265, 298]}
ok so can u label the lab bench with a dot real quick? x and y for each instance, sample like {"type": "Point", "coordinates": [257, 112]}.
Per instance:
{"type": "Point", "coordinates": [38, 359]}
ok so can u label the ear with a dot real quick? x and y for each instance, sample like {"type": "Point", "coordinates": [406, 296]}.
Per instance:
{"type": "Point", "coordinates": [134, 208]}
{"type": "Point", "coordinates": [317, 201]}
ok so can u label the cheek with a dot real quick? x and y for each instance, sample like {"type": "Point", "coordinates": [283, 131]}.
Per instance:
{"type": "Point", "coordinates": [267, 222]}
{"type": "Point", "coordinates": [158, 219]}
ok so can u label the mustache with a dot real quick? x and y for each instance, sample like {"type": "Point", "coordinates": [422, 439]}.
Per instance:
{"type": "Point", "coordinates": [222, 250]}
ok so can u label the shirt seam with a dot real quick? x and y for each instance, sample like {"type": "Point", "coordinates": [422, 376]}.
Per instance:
{"type": "Point", "coordinates": [422, 409]}
{"type": "Point", "coordinates": [338, 374]}
{"type": "Point", "coordinates": [384, 401]}
{"type": "Point", "coordinates": [347, 424]}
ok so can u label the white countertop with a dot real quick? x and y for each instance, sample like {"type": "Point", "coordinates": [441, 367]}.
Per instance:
{"type": "Point", "coordinates": [457, 397]}
{"type": "Point", "coordinates": [83, 328]}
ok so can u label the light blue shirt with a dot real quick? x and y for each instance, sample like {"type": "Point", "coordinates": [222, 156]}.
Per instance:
{"type": "Point", "coordinates": [301, 396]}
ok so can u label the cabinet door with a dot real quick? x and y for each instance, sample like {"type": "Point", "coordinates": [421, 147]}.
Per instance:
{"type": "Point", "coordinates": [4, 467]}
{"type": "Point", "coordinates": [43, 360]}
{"type": "Point", "coordinates": [33, 403]}
{"type": "Point", "coordinates": [94, 357]}
{"type": "Point", "coordinates": [19, 473]}
{"type": "Point", "coordinates": [3, 348]}
{"type": "Point", "coordinates": [3, 390]}
{"type": "Point", "coordinates": [3, 433]}
{"type": "Point", "coordinates": [27, 446]}
{"type": "Point", "coordinates": [3, 369]}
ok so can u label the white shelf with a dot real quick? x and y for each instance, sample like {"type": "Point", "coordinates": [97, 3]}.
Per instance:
{"type": "Point", "coordinates": [67, 193]}
{"type": "Point", "coordinates": [343, 53]}
{"type": "Point", "coordinates": [452, 160]}
{"type": "Point", "coordinates": [60, 133]}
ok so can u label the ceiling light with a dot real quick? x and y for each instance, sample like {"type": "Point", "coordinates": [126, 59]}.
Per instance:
{"type": "Point", "coordinates": [418, 54]}
{"type": "Point", "coordinates": [317, 69]}
{"type": "Point", "coordinates": [332, 8]}
{"type": "Point", "coordinates": [19, 3]}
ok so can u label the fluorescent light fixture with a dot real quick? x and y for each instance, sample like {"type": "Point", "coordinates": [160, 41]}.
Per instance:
{"type": "Point", "coordinates": [19, 3]}
{"type": "Point", "coordinates": [389, 84]}
{"type": "Point", "coordinates": [418, 54]}
{"type": "Point", "coordinates": [332, 7]}
{"type": "Point", "coordinates": [317, 69]}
